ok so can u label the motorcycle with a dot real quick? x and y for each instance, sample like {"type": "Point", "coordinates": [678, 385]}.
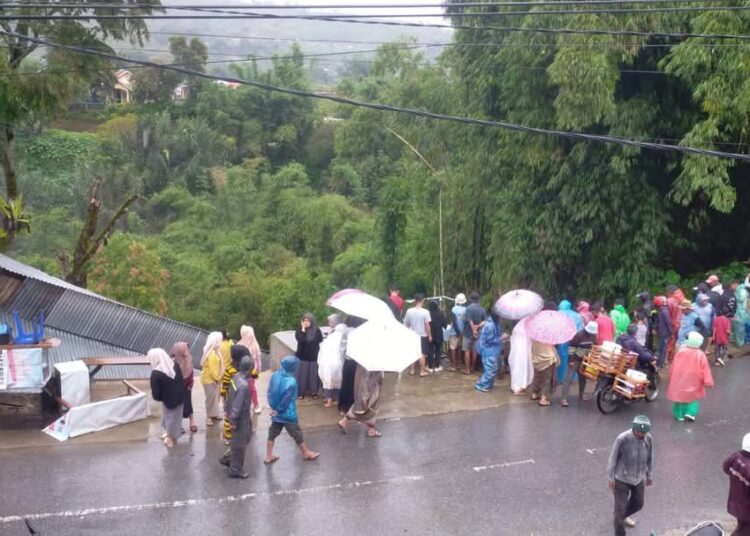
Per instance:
{"type": "Point", "coordinates": [609, 400]}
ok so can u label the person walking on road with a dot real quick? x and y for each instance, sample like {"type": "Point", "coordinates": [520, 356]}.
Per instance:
{"type": "Point", "coordinates": [630, 468]}
{"type": "Point", "coordinates": [167, 387]}
{"type": "Point", "coordinates": [211, 371]}
{"type": "Point", "coordinates": [366, 401]}
{"type": "Point", "coordinates": [689, 376]}
{"type": "Point", "coordinates": [282, 401]}
{"type": "Point", "coordinates": [418, 319]}
{"type": "Point", "coordinates": [181, 354]}
{"type": "Point", "coordinates": [238, 413]}
{"type": "Point", "coordinates": [737, 467]}
{"type": "Point", "coordinates": [722, 329]}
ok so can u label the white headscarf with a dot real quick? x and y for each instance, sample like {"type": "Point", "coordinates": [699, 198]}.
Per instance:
{"type": "Point", "coordinates": [161, 361]}
{"type": "Point", "coordinates": [248, 340]}
{"type": "Point", "coordinates": [213, 341]}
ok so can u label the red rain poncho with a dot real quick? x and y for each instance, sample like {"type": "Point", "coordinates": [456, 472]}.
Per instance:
{"type": "Point", "coordinates": [689, 376]}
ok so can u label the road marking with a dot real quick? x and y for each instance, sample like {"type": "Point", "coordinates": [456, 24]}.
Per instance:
{"type": "Point", "coordinates": [717, 423]}
{"type": "Point", "coordinates": [211, 500]}
{"type": "Point", "coordinates": [499, 465]}
{"type": "Point", "coordinates": [597, 449]}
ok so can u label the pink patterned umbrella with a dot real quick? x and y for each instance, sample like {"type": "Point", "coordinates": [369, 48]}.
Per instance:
{"type": "Point", "coordinates": [518, 304]}
{"type": "Point", "coordinates": [550, 327]}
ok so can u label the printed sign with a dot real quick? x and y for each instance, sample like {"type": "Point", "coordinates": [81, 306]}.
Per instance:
{"type": "Point", "coordinates": [60, 429]}
{"type": "Point", "coordinates": [21, 368]}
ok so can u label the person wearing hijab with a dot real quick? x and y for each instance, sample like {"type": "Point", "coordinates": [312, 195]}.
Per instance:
{"type": "Point", "coordinates": [566, 308]}
{"type": "Point", "coordinates": [331, 360]}
{"type": "Point", "coordinates": [689, 376]}
{"type": "Point", "coordinates": [521, 369]}
{"type": "Point", "coordinates": [308, 337]}
{"type": "Point", "coordinates": [248, 340]}
{"type": "Point", "coordinates": [167, 387]}
{"type": "Point", "coordinates": [211, 372]}
{"type": "Point", "coordinates": [181, 355]}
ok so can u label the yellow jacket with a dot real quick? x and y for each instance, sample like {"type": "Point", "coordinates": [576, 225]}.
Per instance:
{"type": "Point", "coordinates": [225, 349]}
{"type": "Point", "coordinates": [211, 372]}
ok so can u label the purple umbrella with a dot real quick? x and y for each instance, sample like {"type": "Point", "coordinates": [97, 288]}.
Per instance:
{"type": "Point", "coordinates": [518, 304]}
{"type": "Point", "coordinates": [550, 327]}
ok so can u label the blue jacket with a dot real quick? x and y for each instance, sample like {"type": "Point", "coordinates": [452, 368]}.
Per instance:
{"type": "Point", "coordinates": [566, 308]}
{"type": "Point", "coordinates": [282, 391]}
{"type": "Point", "coordinates": [490, 344]}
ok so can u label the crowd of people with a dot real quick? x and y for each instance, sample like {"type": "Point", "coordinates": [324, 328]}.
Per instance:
{"type": "Point", "coordinates": [669, 331]}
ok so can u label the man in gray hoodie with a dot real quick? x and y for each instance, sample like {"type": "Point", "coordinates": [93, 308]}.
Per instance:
{"type": "Point", "coordinates": [629, 470]}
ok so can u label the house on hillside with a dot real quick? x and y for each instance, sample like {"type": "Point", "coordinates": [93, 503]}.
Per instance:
{"type": "Point", "coordinates": [123, 89]}
{"type": "Point", "coordinates": [89, 325]}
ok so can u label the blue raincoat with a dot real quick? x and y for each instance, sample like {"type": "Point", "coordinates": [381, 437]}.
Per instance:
{"type": "Point", "coordinates": [490, 347]}
{"type": "Point", "coordinates": [282, 391]}
{"type": "Point", "coordinates": [566, 308]}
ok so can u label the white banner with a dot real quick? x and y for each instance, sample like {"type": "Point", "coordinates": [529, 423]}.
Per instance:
{"type": "Point", "coordinates": [99, 416]}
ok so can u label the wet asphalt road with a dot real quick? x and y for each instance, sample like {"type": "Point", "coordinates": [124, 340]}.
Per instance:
{"type": "Point", "coordinates": [516, 470]}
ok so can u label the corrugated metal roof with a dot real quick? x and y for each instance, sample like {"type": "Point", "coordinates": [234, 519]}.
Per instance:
{"type": "Point", "coordinates": [19, 268]}
{"type": "Point", "coordinates": [87, 323]}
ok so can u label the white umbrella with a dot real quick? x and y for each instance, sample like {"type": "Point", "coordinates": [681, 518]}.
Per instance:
{"type": "Point", "coordinates": [383, 345]}
{"type": "Point", "coordinates": [355, 302]}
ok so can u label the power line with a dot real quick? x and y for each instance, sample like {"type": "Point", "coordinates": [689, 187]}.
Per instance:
{"type": "Point", "coordinates": [275, 7]}
{"type": "Point", "coordinates": [519, 29]}
{"type": "Point", "coordinates": [450, 44]}
{"type": "Point", "coordinates": [615, 140]}
{"type": "Point", "coordinates": [224, 14]}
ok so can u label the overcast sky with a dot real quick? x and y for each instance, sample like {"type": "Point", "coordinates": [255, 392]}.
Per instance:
{"type": "Point", "coordinates": [412, 12]}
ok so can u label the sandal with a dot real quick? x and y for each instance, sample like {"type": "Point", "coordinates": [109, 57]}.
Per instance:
{"type": "Point", "coordinates": [564, 403]}
{"type": "Point", "coordinates": [423, 374]}
{"type": "Point", "coordinates": [544, 404]}
{"type": "Point", "coordinates": [315, 397]}
{"type": "Point", "coordinates": [534, 397]}
{"type": "Point", "coordinates": [209, 422]}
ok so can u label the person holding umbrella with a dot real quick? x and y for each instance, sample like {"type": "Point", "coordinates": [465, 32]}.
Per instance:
{"type": "Point", "coordinates": [546, 329]}
{"type": "Point", "coordinates": [366, 401]}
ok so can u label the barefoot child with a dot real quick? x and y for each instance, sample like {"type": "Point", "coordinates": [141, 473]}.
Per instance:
{"type": "Point", "coordinates": [282, 400]}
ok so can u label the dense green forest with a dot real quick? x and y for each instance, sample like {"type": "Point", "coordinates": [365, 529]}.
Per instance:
{"type": "Point", "coordinates": [242, 205]}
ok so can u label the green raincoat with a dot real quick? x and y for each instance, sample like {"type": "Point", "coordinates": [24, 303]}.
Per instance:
{"type": "Point", "coordinates": [621, 319]}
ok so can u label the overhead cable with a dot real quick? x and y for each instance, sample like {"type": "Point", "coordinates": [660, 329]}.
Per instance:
{"type": "Point", "coordinates": [613, 140]}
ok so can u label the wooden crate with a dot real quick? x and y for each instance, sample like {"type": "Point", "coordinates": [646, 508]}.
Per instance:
{"type": "Point", "coordinates": [597, 363]}
{"type": "Point", "coordinates": [629, 388]}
